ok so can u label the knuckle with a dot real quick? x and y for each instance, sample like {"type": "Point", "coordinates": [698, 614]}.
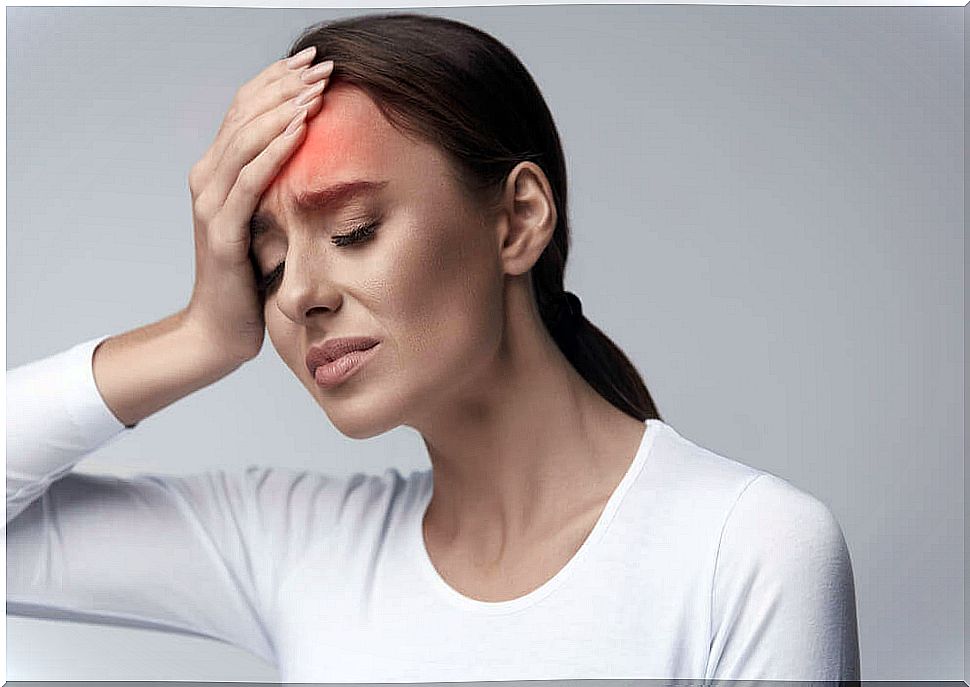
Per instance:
{"type": "Point", "coordinates": [284, 115]}
{"type": "Point", "coordinates": [286, 87]}
{"type": "Point", "coordinates": [202, 206]}
{"type": "Point", "coordinates": [247, 181]}
{"type": "Point", "coordinates": [243, 93]}
{"type": "Point", "coordinates": [243, 140]}
{"type": "Point", "coordinates": [234, 114]}
{"type": "Point", "coordinates": [196, 174]}
{"type": "Point", "coordinates": [214, 240]}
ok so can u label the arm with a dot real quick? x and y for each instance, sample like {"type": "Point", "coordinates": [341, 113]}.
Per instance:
{"type": "Point", "coordinates": [142, 371]}
{"type": "Point", "coordinates": [62, 407]}
{"type": "Point", "coordinates": [197, 553]}
{"type": "Point", "coordinates": [178, 553]}
{"type": "Point", "coordinates": [53, 420]}
{"type": "Point", "coordinates": [783, 592]}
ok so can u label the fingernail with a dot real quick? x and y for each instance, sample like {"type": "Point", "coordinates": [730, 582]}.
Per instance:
{"type": "Point", "coordinates": [317, 71]}
{"type": "Point", "coordinates": [301, 58]}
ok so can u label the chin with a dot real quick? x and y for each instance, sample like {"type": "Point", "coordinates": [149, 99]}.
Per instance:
{"type": "Point", "coordinates": [360, 430]}
{"type": "Point", "coordinates": [359, 421]}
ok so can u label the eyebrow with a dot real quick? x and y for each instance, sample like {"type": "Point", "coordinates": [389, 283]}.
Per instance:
{"type": "Point", "coordinates": [316, 199]}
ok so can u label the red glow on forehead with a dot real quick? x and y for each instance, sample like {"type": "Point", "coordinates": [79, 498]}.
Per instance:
{"type": "Point", "coordinates": [348, 137]}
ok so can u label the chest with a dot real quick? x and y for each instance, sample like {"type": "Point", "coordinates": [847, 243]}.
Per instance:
{"type": "Point", "coordinates": [382, 617]}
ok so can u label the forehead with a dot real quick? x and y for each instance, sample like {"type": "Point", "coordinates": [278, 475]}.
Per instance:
{"type": "Point", "coordinates": [347, 139]}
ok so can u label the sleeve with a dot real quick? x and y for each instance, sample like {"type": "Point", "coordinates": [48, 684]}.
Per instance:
{"type": "Point", "coordinates": [783, 595]}
{"type": "Point", "coordinates": [196, 554]}
{"type": "Point", "coordinates": [55, 416]}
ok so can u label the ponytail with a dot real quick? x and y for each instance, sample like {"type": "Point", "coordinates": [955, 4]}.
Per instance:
{"type": "Point", "coordinates": [594, 355]}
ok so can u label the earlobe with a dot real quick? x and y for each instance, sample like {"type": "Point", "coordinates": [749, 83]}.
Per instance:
{"type": "Point", "coordinates": [531, 211]}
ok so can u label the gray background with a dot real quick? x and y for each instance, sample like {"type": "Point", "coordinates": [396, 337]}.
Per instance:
{"type": "Point", "coordinates": [767, 205]}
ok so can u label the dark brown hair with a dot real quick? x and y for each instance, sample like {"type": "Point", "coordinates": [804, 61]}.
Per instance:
{"type": "Point", "coordinates": [459, 88]}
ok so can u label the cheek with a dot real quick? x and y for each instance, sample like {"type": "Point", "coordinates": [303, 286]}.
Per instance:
{"type": "Point", "coordinates": [439, 287]}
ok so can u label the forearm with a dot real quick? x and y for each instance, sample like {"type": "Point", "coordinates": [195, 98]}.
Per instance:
{"type": "Point", "coordinates": [146, 369]}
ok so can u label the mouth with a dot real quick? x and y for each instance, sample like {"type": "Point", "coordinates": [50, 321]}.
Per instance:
{"type": "Point", "coordinates": [336, 371]}
{"type": "Point", "coordinates": [334, 349]}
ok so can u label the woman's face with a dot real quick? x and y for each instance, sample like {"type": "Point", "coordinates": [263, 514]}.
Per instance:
{"type": "Point", "coordinates": [422, 282]}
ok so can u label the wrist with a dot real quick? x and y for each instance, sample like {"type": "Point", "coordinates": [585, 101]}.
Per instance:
{"type": "Point", "coordinates": [208, 344]}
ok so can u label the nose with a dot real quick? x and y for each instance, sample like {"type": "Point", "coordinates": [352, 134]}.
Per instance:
{"type": "Point", "coordinates": [304, 290]}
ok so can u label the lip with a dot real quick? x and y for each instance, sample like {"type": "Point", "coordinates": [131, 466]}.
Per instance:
{"type": "Point", "coordinates": [333, 350]}
{"type": "Point", "coordinates": [337, 371]}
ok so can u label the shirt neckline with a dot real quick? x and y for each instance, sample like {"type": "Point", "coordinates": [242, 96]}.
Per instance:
{"type": "Point", "coordinates": [452, 595]}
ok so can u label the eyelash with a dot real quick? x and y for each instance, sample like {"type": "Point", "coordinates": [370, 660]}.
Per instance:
{"type": "Point", "coordinates": [358, 234]}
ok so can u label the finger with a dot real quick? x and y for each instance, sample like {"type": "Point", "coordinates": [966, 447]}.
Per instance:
{"type": "Point", "coordinates": [289, 84]}
{"type": "Point", "coordinates": [232, 227]}
{"type": "Point", "coordinates": [275, 71]}
{"type": "Point", "coordinates": [277, 83]}
{"type": "Point", "coordinates": [270, 95]}
{"type": "Point", "coordinates": [249, 142]}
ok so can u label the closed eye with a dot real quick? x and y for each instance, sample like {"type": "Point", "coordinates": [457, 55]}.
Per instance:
{"type": "Point", "coordinates": [358, 234]}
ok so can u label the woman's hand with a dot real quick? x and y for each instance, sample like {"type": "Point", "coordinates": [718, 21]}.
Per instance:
{"type": "Point", "coordinates": [264, 125]}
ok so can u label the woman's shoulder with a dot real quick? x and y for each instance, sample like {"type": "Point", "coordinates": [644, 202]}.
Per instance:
{"type": "Point", "coordinates": [690, 463]}
{"type": "Point", "coordinates": [743, 501]}
{"type": "Point", "coordinates": [773, 521]}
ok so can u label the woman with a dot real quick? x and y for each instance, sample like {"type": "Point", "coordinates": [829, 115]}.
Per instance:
{"type": "Point", "coordinates": [401, 233]}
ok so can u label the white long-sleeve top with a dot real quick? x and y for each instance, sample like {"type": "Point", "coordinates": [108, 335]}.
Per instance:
{"type": "Point", "coordinates": [698, 567]}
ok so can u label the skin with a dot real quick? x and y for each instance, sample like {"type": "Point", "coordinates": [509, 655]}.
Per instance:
{"type": "Point", "coordinates": [525, 453]}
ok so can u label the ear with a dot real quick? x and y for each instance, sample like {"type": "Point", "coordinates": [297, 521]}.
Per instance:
{"type": "Point", "coordinates": [529, 208]}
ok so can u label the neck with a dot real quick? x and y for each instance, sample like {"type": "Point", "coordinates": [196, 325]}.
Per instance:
{"type": "Point", "coordinates": [524, 445]}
